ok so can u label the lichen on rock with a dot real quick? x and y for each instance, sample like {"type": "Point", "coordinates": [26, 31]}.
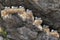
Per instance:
{"type": "Point", "coordinates": [22, 25]}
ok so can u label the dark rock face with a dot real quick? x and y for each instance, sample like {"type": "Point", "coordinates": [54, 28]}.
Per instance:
{"type": "Point", "coordinates": [55, 18]}
{"type": "Point", "coordinates": [52, 38]}
{"type": "Point", "coordinates": [11, 2]}
{"type": "Point", "coordinates": [12, 22]}
{"type": "Point", "coordinates": [46, 4]}
{"type": "Point", "coordinates": [24, 32]}
{"type": "Point", "coordinates": [52, 18]}
{"type": "Point", "coordinates": [27, 34]}
{"type": "Point", "coordinates": [44, 36]}
{"type": "Point", "coordinates": [49, 10]}
{"type": "Point", "coordinates": [46, 9]}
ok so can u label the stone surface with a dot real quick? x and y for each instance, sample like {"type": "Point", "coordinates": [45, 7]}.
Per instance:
{"type": "Point", "coordinates": [52, 38]}
{"type": "Point", "coordinates": [1, 38]}
{"type": "Point", "coordinates": [42, 36]}
{"type": "Point", "coordinates": [48, 10]}
{"type": "Point", "coordinates": [46, 4]}
{"type": "Point", "coordinates": [12, 22]}
{"type": "Point", "coordinates": [26, 32]}
{"type": "Point", "coordinates": [46, 15]}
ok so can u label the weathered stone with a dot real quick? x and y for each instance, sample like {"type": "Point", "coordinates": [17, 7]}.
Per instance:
{"type": "Point", "coordinates": [1, 38]}
{"type": "Point", "coordinates": [46, 4]}
{"type": "Point", "coordinates": [53, 38]}
{"type": "Point", "coordinates": [26, 32]}
{"type": "Point", "coordinates": [14, 21]}
{"type": "Point", "coordinates": [42, 36]}
{"type": "Point", "coordinates": [49, 10]}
